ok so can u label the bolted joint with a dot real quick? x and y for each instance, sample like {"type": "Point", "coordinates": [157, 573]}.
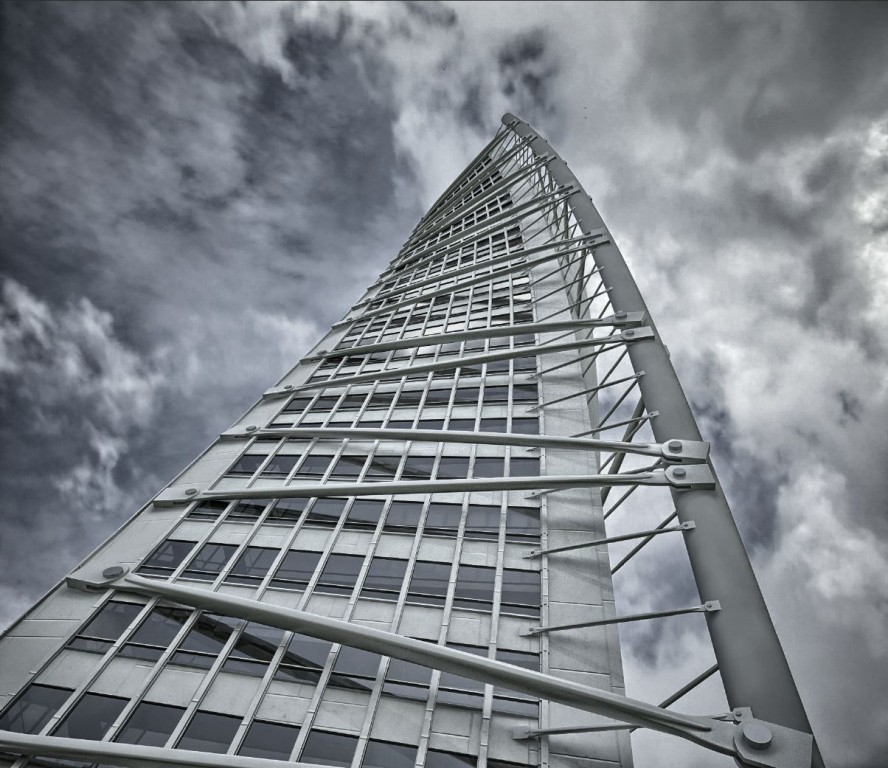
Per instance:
{"type": "Point", "coordinates": [690, 477]}
{"type": "Point", "coordinates": [685, 450]}
{"type": "Point", "coordinates": [759, 744]}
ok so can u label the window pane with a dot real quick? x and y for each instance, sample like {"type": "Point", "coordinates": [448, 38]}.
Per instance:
{"type": "Point", "coordinates": [521, 467]}
{"type": "Point", "coordinates": [493, 425]}
{"type": "Point", "coordinates": [453, 467]}
{"type": "Point", "coordinates": [357, 663]}
{"type": "Point", "coordinates": [170, 554]}
{"type": "Point", "coordinates": [475, 582]}
{"type": "Point", "coordinates": [91, 717]}
{"type": "Point", "coordinates": [325, 748]}
{"type": "Point", "coordinates": [418, 468]}
{"type": "Point", "coordinates": [273, 741]}
{"type": "Point", "coordinates": [385, 573]}
{"type": "Point", "coordinates": [430, 579]}
{"type": "Point", "coordinates": [150, 724]}
{"type": "Point", "coordinates": [340, 573]}
{"type": "Point", "coordinates": [33, 708]}
{"type": "Point", "coordinates": [522, 522]}
{"type": "Point", "coordinates": [297, 567]}
{"type": "Point", "coordinates": [253, 564]}
{"type": "Point", "coordinates": [247, 464]}
{"type": "Point", "coordinates": [287, 510]}
{"type": "Point", "coordinates": [209, 732]}
{"type": "Point", "coordinates": [209, 634]}
{"type": "Point", "coordinates": [435, 759]}
{"type": "Point", "coordinates": [248, 509]}
{"type": "Point", "coordinates": [488, 467]}
{"type": "Point", "coordinates": [111, 620]}
{"type": "Point", "coordinates": [326, 512]}
{"type": "Point", "coordinates": [280, 465]}
{"type": "Point", "coordinates": [382, 754]}
{"type": "Point", "coordinates": [211, 559]}
{"type": "Point", "coordinates": [521, 587]}
{"type": "Point", "coordinates": [403, 514]}
{"type": "Point", "coordinates": [160, 626]}
{"type": "Point", "coordinates": [364, 513]}
{"type": "Point", "coordinates": [521, 426]}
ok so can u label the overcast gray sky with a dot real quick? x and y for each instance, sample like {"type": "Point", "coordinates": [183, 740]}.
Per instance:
{"type": "Point", "coordinates": [191, 194]}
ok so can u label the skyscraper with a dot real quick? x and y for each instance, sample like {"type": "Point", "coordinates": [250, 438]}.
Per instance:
{"type": "Point", "coordinates": [398, 556]}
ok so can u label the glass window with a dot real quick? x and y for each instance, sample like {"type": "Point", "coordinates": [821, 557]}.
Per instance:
{"type": "Point", "coordinates": [325, 748]}
{"type": "Point", "coordinates": [383, 467]}
{"type": "Point", "coordinates": [521, 592]}
{"type": "Point", "coordinates": [209, 561]}
{"type": "Point", "coordinates": [443, 519]}
{"type": "Point", "coordinates": [166, 558]}
{"type": "Point", "coordinates": [522, 524]}
{"type": "Point", "coordinates": [364, 514]}
{"type": "Point", "coordinates": [453, 467]}
{"type": "Point", "coordinates": [437, 397]}
{"type": "Point", "coordinates": [384, 578]}
{"type": "Point", "coordinates": [303, 660]}
{"type": "Point", "coordinates": [466, 395]}
{"type": "Point", "coordinates": [474, 584]}
{"type": "Point", "coordinates": [489, 466]}
{"type": "Point", "coordinates": [493, 425]}
{"type": "Point", "coordinates": [287, 511]}
{"type": "Point", "coordinates": [496, 395]}
{"type": "Point", "coordinates": [384, 754]}
{"type": "Point", "coordinates": [461, 425]}
{"type": "Point", "coordinates": [522, 426]}
{"type": "Point", "coordinates": [248, 509]}
{"type": "Point", "coordinates": [428, 583]}
{"type": "Point", "coordinates": [150, 724]}
{"type": "Point", "coordinates": [106, 626]}
{"type": "Point", "coordinates": [280, 465]}
{"type": "Point", "coordinates": [524, 467]}
{"type": "Point", "coordinates": [91, 717]}
{"type": "Point", "coordinates": [348, 467]}
{"type": "Point", "coordinates": [252, 565]}
{"type": "Point", "coordinates": [403, 515]}
{"type": "Point", "coordinates": [418, 468]}
{"type": "Point", "coordinates": [313, 466]}
{"type": "Point", "coordinates": [524, 393]}
{"type": "Point", "coordinates": [297, 405]}
{"type": "Point", "coordinates": [436, 759]}
{"type": "Point", "coordinates": [247, 464]}
{"type": "Point", "coordinates": [204, 641]}
{"type": "Point", "coordinates": [483, 521]}
{"type": "Point", "coordinates": [273, 741]}
{"type": "Point", "coordinates": [154, 635]}
{"type": "Point", "coordinates": [208, 510]}
{"type": "Point", "coordinates": [325, 512]}
{"type": "Point", "coordinates": [33, 708]}
{"type": "Point", "coordinates": [209, 732]}
{"type": "Point", "coordinates": [340, 574]}
{"type": "Point", "coordinates": [296, 569]}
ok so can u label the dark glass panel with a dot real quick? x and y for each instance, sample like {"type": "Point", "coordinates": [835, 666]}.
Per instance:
{"type": "Point", "coordinates": [384, 754]}
{"type": "Point", "coordinates": [429, 580]}
{"type": "Point", "coordinates": [326, 512]}
{"type": "Point", "coordinates": [247, 464]}
{"type": "Point", "coordinates": [408, 672]}
{"type": "Point", "coordinates": [91, 717]}
{"type": "Point", "coordinates": [252, 565]}
{"type": "Point", "coordinates": [340, 573]}
{"type": "Point", "coordinates": [273, 741]}
{"type": "Point", "coordinates": [436, 759]}
{"type": "Point", "coordinates": [280, 465]}
{"type": "Point", "coordinates": [461, 425]}
{"type": "Point", "coordinates": [349, 467]}
{"type": "Point", "coordinates": [418, 468]}
{"type": "Point", "coordinates": [209, 634]}
{"type": "Point", "coordinates": [313, 466]}
{"type": "Point", "coordinates": [33, 708]}
{"type": "Point", "coordinates": [170, 554]}
{"type": "Point", "coordinates": [521, 588]}
{"type": "Point", "coordinates": [160, 626]}
{"type": "Point", "coordinates": [524, 467]}
{"type": "Point", "coordinates": [325, 748]}
{"type": "Point", "coordinates": [208, 510]}
{"type": "Point", "coordinates": [209, 732]}
{"type": "Point", "coordinates": [474, 582]}
{"type": "Point", "coordinates": [493, 425]}
{"type": "Point", "coordinates": [364, 513]}
{"type": "Point", "coordinates": [496, 395]}
{"type": "Point", "coordinates": [525, 393]}
{"type": "Point", "coordinates": [111, 620]}
{"type": "Point", "coordinates": [483, 521]}
{"type": "Point", "coordinates": [150, 724]}
{"type": "Point", "coordinates": [521, 521]}
{"type": "Point", "coordinates": [210, 560]}
{"type": "Point", "coordinates": [287, 510]}
{"type": "Point", "coordinates": [383, 467]}
{"type": "Point", "coordinates": [403, 514]}
{"type": "Point", "coordinates": [523, 426]}
{"type": "Point", "coordinates": [489, 466]}
{"type": "Point", "coordinates": [248, 509]}
{"type": "Point", "coordinates": [297, 566]}
{"type": "Point", "coordinates": [386, 574]}
{"type": "Point", "coordinates": [453, 467]}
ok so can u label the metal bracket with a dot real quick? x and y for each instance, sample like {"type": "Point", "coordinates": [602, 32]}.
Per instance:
{"type": "Point", "coordinates": [637, 334]}
{"type": "Point", "coordinates": [707, 607]}
{"type": "Point", "coordinates": [691, 477]}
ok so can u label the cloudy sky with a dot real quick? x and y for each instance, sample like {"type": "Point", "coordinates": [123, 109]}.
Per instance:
{"type": "Point", "coordinates": [191, 194]}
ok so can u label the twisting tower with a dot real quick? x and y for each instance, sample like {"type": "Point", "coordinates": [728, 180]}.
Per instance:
{"type": "Point", "coordinates": [398, 556]}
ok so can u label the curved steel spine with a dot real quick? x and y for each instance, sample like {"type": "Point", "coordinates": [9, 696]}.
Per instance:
{"type": "Point", "coordinates": [750, 658]}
